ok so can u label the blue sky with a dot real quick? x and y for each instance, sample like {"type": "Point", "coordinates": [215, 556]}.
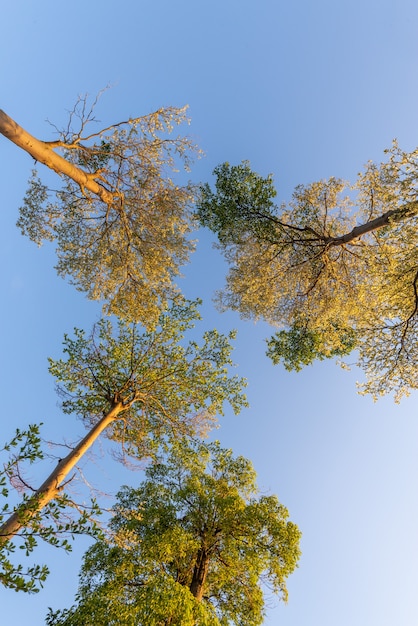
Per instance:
{"type": "Point", "coordinates": [304, 90]}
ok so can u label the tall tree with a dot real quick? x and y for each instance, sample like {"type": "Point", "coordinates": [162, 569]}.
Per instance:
{"type": "Point", "coordinates": [140, 388]}
{"type": "Point", "coordinates": [25, 447]}
{"type": "Point", "coordinates": [119, 220]}
{"type": "Point", "coordinates": [191, 545]}
{"type": "Point", "coordinates": [336, 268]}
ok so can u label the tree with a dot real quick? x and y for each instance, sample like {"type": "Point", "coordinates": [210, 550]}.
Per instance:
{"type": "Point", "coordinates": [336, 268]}
{"type": "Point", "coordinates": [119, 221]}
{"type": "Point", "coordinates": [141, 389]}
{"type": "Point", "coordinates": [191, 545]}
{"type": "Point", "coordinates": [50, 526]}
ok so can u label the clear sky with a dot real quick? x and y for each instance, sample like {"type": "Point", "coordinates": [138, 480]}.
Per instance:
{"type": "Point", "coordinates": [303, 90]}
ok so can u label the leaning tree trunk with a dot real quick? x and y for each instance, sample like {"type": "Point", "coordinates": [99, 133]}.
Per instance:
{"type": "Point", "coordinates": [44, 153]}
{"type": "Point", "coordinates": [52, 486]}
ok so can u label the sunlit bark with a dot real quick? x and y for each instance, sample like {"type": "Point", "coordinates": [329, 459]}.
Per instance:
{"type": "Point", "coordinates": [43, 152]}
{"type": "Point", "coordinates": [53, 485]}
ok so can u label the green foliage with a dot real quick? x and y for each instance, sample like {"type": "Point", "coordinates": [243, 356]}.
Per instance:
{"type": "Point", "coordinates": [199, 501]}
{"type": "Point", "coordinates": [168, 386]}
{"type": "Point", "coordinates": [300, 346]}
{"type": "Point", "coordinates": [241, 198]}
{"type": "Point", "coordinates": [54, 525]}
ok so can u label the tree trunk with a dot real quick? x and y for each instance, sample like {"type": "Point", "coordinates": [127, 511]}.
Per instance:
{"type": "Point", "coordinates": [199, 574]}
{"type": "Point", "coordinates": [395, 215]}
{"type": "Point", "coordinates": [51, 486]}
{"type": "Point", "coordinates": [45, 154]}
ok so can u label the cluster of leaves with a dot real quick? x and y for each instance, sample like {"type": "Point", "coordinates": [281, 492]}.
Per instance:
{"type": "Point", "coordinates": [340, 258]}
{"type": "Point", "coordinates": [55, 525]}
{"type": "Point", "coordinates": [301, 346]}
{"type": "Point", "coordinates": [190, 545]}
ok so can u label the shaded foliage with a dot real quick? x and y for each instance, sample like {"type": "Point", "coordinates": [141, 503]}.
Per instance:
{"type": "Point", "coordinates": [301, 346]}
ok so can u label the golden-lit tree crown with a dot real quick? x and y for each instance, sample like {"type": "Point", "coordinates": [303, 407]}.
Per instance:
{"type": "Point", "coordinates": [122, 219]}
{"type": "Point", "coordinates": [336, 268]}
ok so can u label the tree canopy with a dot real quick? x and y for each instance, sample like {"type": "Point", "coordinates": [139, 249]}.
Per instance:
{"type": "Point", "coordinates": [120, 221]}
{"type": "Point", "coordinates": [336, 268]}
{"type": "Point", "coordinates": [141, 389]}
{"type": "Point", "coordinates": [190, 546]}
{"type": "Point", "coordinates": [165, 385]}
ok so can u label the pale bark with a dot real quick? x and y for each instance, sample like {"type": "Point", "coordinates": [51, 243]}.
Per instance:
{"type": "Point", "coordinates": [395, 215]}
{"type": "Point", "coordinates": [43, 152]}
{"type": "Point", "coordinates": [389, 217]}
{"type": "Point", "coordinates": [52, 486]}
